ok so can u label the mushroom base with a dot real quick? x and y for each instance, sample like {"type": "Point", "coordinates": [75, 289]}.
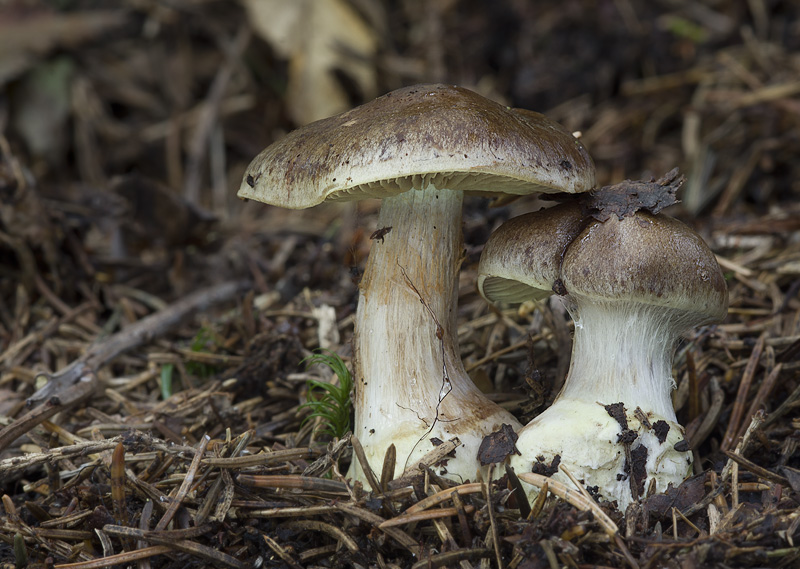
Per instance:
{"type": "Point", "coordinates": [621, 356]}
{"type": "Point", "coordinates": [587, 439]}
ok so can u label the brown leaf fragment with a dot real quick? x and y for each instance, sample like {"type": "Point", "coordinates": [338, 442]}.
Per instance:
{"type": "Point", "coordinates": [661, 430]}
{"type": "Point", "coordinates": [689, 492]}
{"type": "Point", "coordinates": [497, 446]}
{"type": "Point", "coordinates": [637, 469]}
{"type": "Point", "coordinates": [617, 412]}
{"type": "Point", "coordinates": [628, 197]}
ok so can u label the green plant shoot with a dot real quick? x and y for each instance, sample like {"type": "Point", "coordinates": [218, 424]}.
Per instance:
{"type": "Point", "coordinates": [166, 380]}
{"type": "Point", "coordinates": [200, 342]}
{"type": "Point", "coordinates": [327, 401]}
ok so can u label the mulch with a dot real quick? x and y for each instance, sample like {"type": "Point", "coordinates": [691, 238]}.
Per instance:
{"type": "Point", "coordinates": [153, 329]}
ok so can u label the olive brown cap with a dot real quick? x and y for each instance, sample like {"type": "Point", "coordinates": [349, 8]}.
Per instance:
{"type": "Point", "coordinates": [654, 259]}
{"type": "Point", "coordinates": [522, 259]}
{"type": "Point", "coordinates": [442, 135]}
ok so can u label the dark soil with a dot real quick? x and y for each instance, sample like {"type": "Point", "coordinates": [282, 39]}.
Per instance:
{"type": "Point", "coordinates": [172, 320]}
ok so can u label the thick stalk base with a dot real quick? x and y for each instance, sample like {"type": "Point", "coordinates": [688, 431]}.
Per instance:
{"type": "Point", "coordinates": [587, 439]}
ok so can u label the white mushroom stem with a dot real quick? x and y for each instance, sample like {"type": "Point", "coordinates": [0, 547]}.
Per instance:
{"type": "Point", "coordinates": [622, 353]}
{"type": "Point", "coordinates": [410, 383]}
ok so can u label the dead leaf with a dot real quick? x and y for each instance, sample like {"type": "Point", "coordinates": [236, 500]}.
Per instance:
{"type": "Point", "coordinates": [496, 446]}
{"type": "Point", "coordinates": [320, 38]}
{"type": "Point", "coordinates": [687, 494]}
{"type": "Point", "coordinates": [628, 197]}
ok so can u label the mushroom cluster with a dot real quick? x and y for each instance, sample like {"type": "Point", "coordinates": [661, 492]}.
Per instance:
{"type": "Point", "coordinates": [632, 285]}
{"type": "Point", "coordinates": [419, 149]}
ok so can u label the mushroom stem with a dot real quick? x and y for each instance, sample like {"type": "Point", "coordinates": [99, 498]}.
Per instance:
{"type": "Point", "coordinates": [411, 386]}
{"type": "Point", "coordinates": [622, 353]}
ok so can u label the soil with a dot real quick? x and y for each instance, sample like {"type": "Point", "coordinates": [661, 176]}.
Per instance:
{"type": "Point", "coordinates": [153, 327]}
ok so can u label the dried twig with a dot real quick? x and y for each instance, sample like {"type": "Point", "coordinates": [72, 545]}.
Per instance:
{"type": "Point", "coordinates": [741, 395]}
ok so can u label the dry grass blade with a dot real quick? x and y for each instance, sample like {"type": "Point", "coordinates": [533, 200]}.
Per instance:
{"type": "Point", "coordinates": [757, 470]}
{"type": "Point", "coordinates": [172, 539]}
{"type": "Point", "coordinates": [438, 454]}
{"type": "Point", "coordinates": [463, 522]}
{"type": "Point", "coordinates": [292, 512]}
{"type": "Point", "coordinates": [118, 484]}
{"type": "Point", "coordinates": [294, 482]}
{"type": "Point", "coordinates": [424, 516]}
{"type": "Point", "coordinates": [184, 488]}
{"type": "Point", "coordinates": [741, 396]}
{"type": "Point", "coordinates": [762, 395]}
{"type": "Point", "coordinates": [574, 497]}
{"type": "Point", "coordinates": [538, 503]}
{"type": "Point", "coordinates": [741, 448]}
{"type": "Point", "coordinates": [263, 458]}
{"type": "Point", "coordinates": [358, 449]}
{"type": "Point", "coordinates": [118, 559]}
{"type": "Point", "coordinates": [451, 558]}
{"type": "Point", "coordinates": [443, 496]}
{"type": "Point", "coordinates": [281, 552]}
{"type": "Point", "coordinates": [711, 416]}
{"type": "Point", "coordinates": [220, 495]}
{"type": "Point", "coordinates": [336, 533]}
{"type": "Point", "coordinates": [15, 464]}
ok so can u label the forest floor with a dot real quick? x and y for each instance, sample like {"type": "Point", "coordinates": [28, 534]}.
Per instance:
{"type": "Point", "coordinates": [172, 320]}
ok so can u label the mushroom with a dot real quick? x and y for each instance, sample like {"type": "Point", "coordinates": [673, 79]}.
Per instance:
{"type": "Point", "coordinates": [632, 285]}
{"type": "Point", "coordinates": [411, 389]}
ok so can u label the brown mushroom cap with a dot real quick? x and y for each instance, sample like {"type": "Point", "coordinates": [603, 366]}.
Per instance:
{"type": "Point", "coordinates": [653, 259]}
{"type": "Point", "coordinates": [409, 138]}
{"type": "Point", "coordinates": [522, 259]}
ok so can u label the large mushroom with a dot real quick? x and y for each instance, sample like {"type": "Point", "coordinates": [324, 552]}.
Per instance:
{"type": "Point", "coordinates": [632, 286]}
{"type": "Point", "coordinates": [419, 149]}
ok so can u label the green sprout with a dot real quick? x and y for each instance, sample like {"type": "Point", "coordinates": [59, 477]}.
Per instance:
{"type": "Point", "coordinates": [200, 342]}
{"type": "Point", "coordinates": [166, 380]}
{"type": "Point", "coordinates": [328, 401]}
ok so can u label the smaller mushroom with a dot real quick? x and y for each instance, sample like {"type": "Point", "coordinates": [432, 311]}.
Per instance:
{"type": "Point", "coordinates": [633, 286]}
